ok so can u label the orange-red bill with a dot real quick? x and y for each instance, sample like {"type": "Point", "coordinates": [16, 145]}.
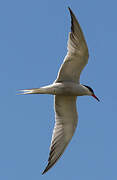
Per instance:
{"type": "Point", "coordinates": [95, 97]}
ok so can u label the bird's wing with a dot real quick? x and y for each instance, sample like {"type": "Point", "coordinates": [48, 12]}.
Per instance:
{"type": "Point", "coordinates": [77, 55]}
{"type": "Point", "coordinates": [65, 125]}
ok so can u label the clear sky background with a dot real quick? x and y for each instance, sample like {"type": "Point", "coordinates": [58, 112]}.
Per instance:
{"type": "Point", "coordinates": [33, 43]}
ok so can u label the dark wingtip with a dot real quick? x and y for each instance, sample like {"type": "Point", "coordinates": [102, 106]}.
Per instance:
{"type": "Point", "coordinates": [72, 15]}
{"type": "Point", "coordinates": [44, 171]}
{"type": "Point", "coordinates": [70, 10]}
{"type": "Point", "coordinates": [47, 168]}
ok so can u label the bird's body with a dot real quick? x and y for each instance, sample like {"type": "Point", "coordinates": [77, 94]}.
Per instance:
{"type": "Point", "coordinates": [65, 89]}
{"type": "Point", "coordinates": [60, 88]}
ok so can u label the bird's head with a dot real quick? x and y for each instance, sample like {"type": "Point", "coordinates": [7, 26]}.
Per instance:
{"type": "Point", "coordinates": [91, 92]}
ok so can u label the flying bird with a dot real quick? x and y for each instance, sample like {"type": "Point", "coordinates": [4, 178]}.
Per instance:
{"type": "Point", "coordinates": [65, 89]}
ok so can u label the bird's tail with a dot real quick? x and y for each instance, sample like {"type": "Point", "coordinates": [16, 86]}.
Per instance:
{"type": "Point", "coordinates": [42, 90]}
{"type": "Point", "coordinates": [30, 91]}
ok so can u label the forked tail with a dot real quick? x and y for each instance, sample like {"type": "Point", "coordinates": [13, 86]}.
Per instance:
{"type": "Point", "coordinates": [30, 91]}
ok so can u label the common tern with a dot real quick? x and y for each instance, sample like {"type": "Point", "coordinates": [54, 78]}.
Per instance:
{"type": "Point", "coordinates": [65, 89]}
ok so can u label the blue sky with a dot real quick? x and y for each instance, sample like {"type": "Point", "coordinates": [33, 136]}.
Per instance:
{"type": "Point", "coordinates": [33, 41]}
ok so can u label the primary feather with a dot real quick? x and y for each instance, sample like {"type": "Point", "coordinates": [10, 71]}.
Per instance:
{"type": "Point", "coordinates": [77, 55]}
{"type": "Point", "coordinates": [65, 125]}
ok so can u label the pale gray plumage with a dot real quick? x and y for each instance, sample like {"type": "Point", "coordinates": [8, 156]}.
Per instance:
{"type": "Point", "coordinates": [65, 106]}
{"type": "Point", "coordinates": [77, 55]}
{"type": "Point", "coordinates": [65, 125]}
{"type": "Point", "coordinates": [66, 88]}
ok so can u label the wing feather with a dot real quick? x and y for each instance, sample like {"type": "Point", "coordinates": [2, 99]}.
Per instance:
{"type": "Point", "coordinates": [77, 55]}
{"type": "Point", "coordinates": [65, 125]}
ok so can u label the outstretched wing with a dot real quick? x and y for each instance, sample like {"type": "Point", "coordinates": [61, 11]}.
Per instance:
{"type": "Point", "coordinates": [77, 55]}
{"type": "Point", "coordinates": [65, 125]}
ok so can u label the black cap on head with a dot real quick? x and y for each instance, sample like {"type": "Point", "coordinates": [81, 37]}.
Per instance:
{"type": "Point", "coordinates": [90, 89]}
